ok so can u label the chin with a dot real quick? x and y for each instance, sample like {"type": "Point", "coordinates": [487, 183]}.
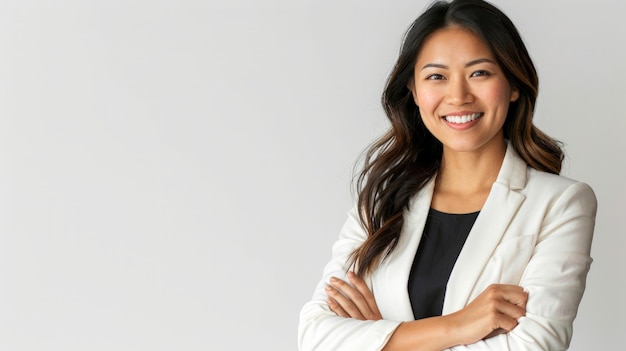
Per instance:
{"type": "Point", "coordinates": [472, 145]}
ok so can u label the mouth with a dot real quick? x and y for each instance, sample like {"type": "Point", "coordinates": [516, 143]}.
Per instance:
{"type": "Point", "coordinates": [462, 119]}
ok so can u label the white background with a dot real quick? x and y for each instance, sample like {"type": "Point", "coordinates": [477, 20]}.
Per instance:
{"type": "Point", "coordinates": [173, 173]}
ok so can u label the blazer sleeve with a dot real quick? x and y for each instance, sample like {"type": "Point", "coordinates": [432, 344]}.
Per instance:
{"type": "Point", "coordinates": [554, 278]}
{"type": "Point", "coordinates": [319, 327]}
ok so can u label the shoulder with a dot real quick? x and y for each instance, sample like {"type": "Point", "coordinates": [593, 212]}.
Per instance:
{"type": "Point", "coordinates": [559, 191]}
{"type": "Point", "coordinates": [548, 181]}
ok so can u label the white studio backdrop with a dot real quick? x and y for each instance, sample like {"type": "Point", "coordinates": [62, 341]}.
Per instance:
{"type": "Point", "coordinates": [174, 173]}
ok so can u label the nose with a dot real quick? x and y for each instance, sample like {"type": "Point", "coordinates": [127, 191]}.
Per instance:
{"type": "Point", "coordinates": [458, 92]}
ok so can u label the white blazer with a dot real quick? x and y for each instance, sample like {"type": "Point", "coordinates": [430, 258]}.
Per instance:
{"type": "Point", "coordinates": [535, 230]}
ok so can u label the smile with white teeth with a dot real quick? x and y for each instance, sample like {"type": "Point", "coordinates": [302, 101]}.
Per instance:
{"type": "Point", "coordinates": [462, 119]}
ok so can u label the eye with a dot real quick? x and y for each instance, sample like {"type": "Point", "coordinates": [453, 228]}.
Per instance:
{"type": "Point", "coordinates": [435, 76]}
{"type": "Point", "coordinates": [481, 73]}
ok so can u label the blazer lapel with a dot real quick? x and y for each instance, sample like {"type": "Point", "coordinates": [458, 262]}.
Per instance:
{"type": "Point", "coordinates": [500, 207]}
{"type": "Point", "coordinates": [393, 276]}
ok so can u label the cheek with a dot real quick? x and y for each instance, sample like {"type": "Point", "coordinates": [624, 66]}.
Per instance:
{"type": "Point", "coordinates": [427, 100]}
{"type": "Point", "coordinates": [499, 93]}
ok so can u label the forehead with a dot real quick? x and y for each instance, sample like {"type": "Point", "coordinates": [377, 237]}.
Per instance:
{"type": "Point", "coordinates": [453, 44]}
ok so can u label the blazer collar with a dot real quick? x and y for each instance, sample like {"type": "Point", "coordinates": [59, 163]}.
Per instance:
{"type": "Point", "coordinates": [514, 171]}
{"type": "Point", "coordinates": [395, 270]}
{"type": "Point", "coordinates": [500, 207]}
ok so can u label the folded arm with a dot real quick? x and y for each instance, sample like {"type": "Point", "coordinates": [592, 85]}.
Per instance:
{"type": "Point", "coordinates": [554, 279]}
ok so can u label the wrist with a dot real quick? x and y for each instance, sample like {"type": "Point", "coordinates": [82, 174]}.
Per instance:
{"type": "Point", "coordinates": [450, 328]}
{"type": "Point", "coordinates": [434, 333]}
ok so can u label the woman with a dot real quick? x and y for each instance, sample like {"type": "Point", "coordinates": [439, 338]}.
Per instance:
{"type": "Point", "coordinates": [464, 235]}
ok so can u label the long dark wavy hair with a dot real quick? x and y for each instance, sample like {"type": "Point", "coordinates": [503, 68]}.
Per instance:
{"type": "Point", "coordinates": [408, 156]}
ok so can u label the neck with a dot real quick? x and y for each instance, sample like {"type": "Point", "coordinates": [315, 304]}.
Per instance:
{"type": "Point", "coordinates": [472, 171]}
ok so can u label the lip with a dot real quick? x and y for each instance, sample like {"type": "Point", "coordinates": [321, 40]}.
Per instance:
{"type": "Point", "coordinates": [460, 113]}
{"type": "Point", "coordinates": [462, 126]}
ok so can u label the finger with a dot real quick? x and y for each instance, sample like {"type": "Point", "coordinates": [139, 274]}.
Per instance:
{"type": "Point", "coordinates": [495, 332]}
{"type": "Point", "coordinates": [510, 310]}
{"type": "Point", "coordinates": [362, 287]}
{"type": "Point", "coordinates": [512, 293]}
{"type": "Point", "coordinates": [508, 300]}
{"type": "Point", "coordinates": [355, 296]}
{"type": "Point", "coordinates": [344, 302]}
{"type": "Point", "coordinates": [516, 297]}
{"type": "Point", "coordinates": [506, 287]}
{"type": "Point", "coordinates": [335, 307]}
{"type": "Point", "coordinates": [506, 322]}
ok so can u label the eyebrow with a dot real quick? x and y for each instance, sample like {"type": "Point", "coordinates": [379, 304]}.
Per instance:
{"type": "Point", "coordinates": [471, 63]}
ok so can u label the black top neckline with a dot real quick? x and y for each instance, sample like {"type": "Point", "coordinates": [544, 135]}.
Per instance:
{"type": "Point", "coordinates": [454, 214]}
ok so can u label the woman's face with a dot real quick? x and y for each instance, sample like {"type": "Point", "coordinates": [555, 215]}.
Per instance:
{"type": "Point", "coordinates": [462, 94]}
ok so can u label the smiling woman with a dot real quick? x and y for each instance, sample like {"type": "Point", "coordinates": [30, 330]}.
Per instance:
{"type": "Point", "coordinates": [462, 95]}
{"type": "Point", "coordinates": [464, 236]}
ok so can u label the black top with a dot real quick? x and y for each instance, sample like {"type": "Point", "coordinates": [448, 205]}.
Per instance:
{"type": "Point", "coordinates": [442, 241]}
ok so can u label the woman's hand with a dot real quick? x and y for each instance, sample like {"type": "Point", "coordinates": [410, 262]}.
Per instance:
{"type": "Point", "coordinates": [352, 301]}
{"type": "Point", "coordinates": [493, 312]}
